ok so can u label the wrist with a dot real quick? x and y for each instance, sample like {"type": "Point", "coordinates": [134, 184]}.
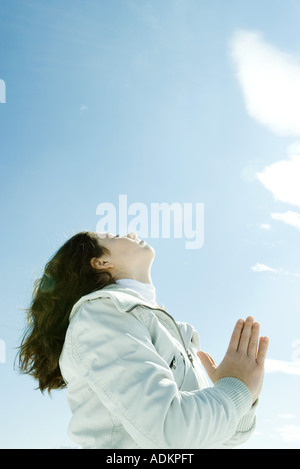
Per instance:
{"type": "Point", "coordinates": [238, 392]}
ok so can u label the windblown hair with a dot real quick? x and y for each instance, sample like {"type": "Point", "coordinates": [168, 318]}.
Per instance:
{"type": "Point", "coordinates": [67, 277]}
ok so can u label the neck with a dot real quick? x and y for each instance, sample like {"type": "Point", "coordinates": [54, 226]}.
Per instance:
{"type": "Point", "coordinates": [146, 290]}
{"type": "Point", "coordinates": [144, 277]}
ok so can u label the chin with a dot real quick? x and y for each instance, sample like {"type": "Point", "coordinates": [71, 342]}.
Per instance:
{"type": "Point", "coordinates": [149, 249]}
{"type": "Point", "coordinates": [146, 249]}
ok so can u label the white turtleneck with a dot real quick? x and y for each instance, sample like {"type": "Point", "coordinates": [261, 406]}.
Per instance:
{"type": "Point", "coordinates": [146, 290]}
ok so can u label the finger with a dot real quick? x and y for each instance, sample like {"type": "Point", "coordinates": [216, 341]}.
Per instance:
{"type": "Point", "coordinates": [253, 342]}
{"type": "Point", "coordinates": [245, 335]}
{"type": "Point", "coordinates": [262, 350]}
{"type": "Point", "coordinates": [236, 335]}
{"type": "Point", "coordinates": [211, 359]}
{"type": "Point", "coordinates": [208, 356]}
{"type": "Point", "coordinates": [208, 364]}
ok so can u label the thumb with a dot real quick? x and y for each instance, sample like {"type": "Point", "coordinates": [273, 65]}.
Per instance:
{"type": "Point", "coordinates": [208, 363]}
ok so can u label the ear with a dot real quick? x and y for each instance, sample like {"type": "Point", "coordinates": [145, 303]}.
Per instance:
{"type": "Point", "coordinates": [100, 264]}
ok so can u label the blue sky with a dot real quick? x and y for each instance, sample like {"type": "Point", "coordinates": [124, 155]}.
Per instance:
{"type": "Point", "coordinates": [169, 101]}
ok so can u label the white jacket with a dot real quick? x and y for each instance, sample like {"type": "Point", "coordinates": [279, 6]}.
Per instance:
{"type": "Point", "coordinates": [134, 380]}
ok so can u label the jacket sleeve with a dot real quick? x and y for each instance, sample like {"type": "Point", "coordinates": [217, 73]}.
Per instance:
{"type": "Point", "coordinates": [245, 428]}
{"type": "Point", "coordinates": [246, 425]}
{"type": "Point", "coordinates": [115, 353]}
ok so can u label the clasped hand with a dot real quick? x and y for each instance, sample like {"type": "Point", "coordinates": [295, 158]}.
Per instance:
{"type": "Point", "coordinates": [244, 359]}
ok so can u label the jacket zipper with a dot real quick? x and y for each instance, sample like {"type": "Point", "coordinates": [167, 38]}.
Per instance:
{"type": "Point", "coordinates": [176, 326]}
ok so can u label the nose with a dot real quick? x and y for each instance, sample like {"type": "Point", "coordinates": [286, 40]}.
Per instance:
{"type": "Point", "coordinates": [132, 235]}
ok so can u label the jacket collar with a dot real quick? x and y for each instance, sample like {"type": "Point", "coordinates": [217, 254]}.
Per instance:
{"type": "Point", "coordinates": [123, 298]}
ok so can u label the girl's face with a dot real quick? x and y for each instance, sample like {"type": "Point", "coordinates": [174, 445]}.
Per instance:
{"type": "Point", "coordinates": [129, 255]}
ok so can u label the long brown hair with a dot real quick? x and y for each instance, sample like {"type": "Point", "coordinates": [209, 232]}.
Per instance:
{"type": "Point", "coordinates": [67, 276]}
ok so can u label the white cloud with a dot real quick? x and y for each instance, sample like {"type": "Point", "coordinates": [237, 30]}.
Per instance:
{"type": "Point", "coordinates": [289, 217]}
{"type": "Point", "coordinates": [265, 226]}
{"type": "Point", "coordinates": [264, 268]}
{"type": "Point", "coordinates": [280, 366]}
{"type": "Point", "coordinates": [270, 80]}
{"type": "Point", "coordinates": [282, 179]}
